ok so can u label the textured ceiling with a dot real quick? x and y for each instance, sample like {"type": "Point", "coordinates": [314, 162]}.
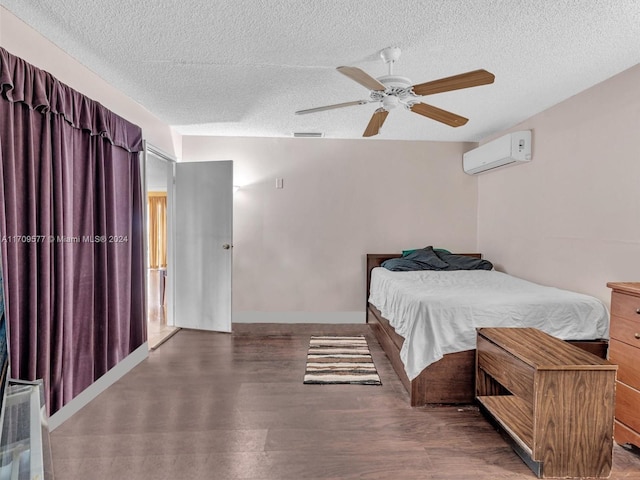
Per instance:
{"type": "Point", "coordinates": [243, 67]}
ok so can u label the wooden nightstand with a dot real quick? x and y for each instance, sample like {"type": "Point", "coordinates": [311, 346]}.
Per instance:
{"type": "Point", "coordinates": [624, 350]}
{"type": "Point", "coordinates": [552, 399]}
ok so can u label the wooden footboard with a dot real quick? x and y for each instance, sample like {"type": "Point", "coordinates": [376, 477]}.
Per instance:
{"type": "Point", "coordinates": [450, 380]}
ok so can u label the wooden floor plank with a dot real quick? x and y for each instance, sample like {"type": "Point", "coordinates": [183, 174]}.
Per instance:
{"type": "Point", "coordinates": [233, 407]}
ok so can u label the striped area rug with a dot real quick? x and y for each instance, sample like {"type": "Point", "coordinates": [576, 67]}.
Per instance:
{"type": "Point", "coordinates": [334, 360]}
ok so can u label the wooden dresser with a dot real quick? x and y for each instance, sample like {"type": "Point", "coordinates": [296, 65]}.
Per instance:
{"type": "Point", "coordinates": [624, 350]}
{"type": "Point", "coordinates": [554, 401]}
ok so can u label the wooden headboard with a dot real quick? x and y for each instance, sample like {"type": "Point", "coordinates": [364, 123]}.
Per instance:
{"type": "Point", "coordinates": [376, 259]}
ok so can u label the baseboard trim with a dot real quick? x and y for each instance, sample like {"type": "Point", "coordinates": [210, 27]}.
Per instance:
{"type": "Point", "coordinates": [99, 386]}
{"type": "Point", "coordinates": [299, 317]}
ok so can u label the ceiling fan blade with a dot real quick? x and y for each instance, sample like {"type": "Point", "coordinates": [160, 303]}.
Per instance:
{"type": "Point", "coordinates": [438, 114]}
{"type": "Point", "coordinates": [456, 82]}
{"type": "Point", "coordinates": [331, 107]}
{"type": "Point", "coordinates": [375, 124]}
{"type": "Point", "coordinates": [362, 77]}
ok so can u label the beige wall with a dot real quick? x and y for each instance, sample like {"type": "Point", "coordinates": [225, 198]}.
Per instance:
{"type": "Point", "coordinates": [299, 252]}
{"type": "Point", "coordinates": [571, 217]}
{"type": "Point", "coordinates": [23, 41]}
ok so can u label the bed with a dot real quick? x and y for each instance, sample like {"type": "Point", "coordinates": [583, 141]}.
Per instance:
{"type": "Point", "coordinates": [445, 375]}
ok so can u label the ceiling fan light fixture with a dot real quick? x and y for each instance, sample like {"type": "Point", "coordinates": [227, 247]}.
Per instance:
{"type": "Point", "coordinates": [389, 102]}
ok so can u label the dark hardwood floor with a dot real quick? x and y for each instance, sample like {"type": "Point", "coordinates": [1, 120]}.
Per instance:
{"type": "Point", "coordinates": [220, 406]}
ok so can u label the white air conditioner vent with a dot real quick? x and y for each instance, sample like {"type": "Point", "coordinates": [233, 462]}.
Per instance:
{"type": "Point", "coordinates": [511, 148]}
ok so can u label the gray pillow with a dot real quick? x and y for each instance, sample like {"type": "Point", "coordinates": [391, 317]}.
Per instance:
{"type": "Point", "coordinates": [420, 259]}
{"type": "Point", "coordinates": [463, 262]}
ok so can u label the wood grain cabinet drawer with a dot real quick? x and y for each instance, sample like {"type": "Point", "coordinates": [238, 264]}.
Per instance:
{"type": "Point", "coordinates": [625, 306]}
{"type": "Point", "coordinates": [626, 357]}
{"type": "Point", "coordinates": [623, 434]}
{"type": "Point", "coordinates": [626, 330]}
{"type": "Point", "coordinates": [627, 402]}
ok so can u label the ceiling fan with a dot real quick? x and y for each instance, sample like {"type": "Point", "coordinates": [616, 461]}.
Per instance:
{"type": "Point", "coordinates": [392, 91]}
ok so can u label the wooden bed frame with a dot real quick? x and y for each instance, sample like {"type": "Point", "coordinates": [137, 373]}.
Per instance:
{"type": "Point", "coordinates": [450, 380]}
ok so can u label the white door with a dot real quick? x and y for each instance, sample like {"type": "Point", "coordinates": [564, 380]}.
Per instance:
{"type": "Point", "coordinates": [203, 240]}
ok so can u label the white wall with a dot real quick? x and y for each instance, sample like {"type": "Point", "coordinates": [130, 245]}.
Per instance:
{"type": "Point", "coordinates": [299, 252]}
{"type": "Point", "coordinates": [571, 217]}
{"type": "Point", "coordinates": [23, 41]}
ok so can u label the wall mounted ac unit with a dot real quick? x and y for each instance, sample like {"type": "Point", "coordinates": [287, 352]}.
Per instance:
{"type": "Point", "coordinates": [511, 148]}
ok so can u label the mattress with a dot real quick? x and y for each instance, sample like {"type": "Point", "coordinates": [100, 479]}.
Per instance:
{"type": "Point", "coordinates": [438, 312]}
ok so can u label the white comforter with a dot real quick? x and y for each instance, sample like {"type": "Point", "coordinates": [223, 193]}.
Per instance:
{"type": "Point", "coordinates": [438, 312]}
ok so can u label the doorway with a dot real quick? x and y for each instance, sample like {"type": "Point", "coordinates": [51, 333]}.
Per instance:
{"type": "Point", "coordinates": [159, 208]}
{"type": "Point", "coordinates": [189, 212]}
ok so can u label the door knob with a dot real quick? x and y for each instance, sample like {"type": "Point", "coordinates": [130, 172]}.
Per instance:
{"type": "Point", "coordinates": [226, 246]}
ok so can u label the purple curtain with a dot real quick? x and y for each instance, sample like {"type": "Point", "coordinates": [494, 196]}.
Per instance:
{"type": "Point", "coordinates": [71, 232]}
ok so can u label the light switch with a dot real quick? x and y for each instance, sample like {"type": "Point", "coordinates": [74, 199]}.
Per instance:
{"type": "Point", "coordinates": [279, 183]}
